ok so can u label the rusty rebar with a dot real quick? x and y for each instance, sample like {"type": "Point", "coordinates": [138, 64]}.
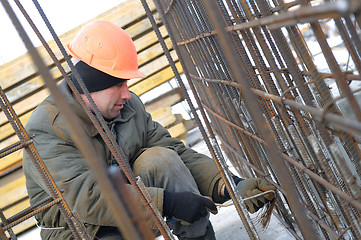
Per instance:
{"type": "Point", "coordinates": [31, 208]}
{"type": "Point", "coordinates": [79, 136]}
{"type": "Point", "coordinates": [22, 217]}
{"type": "Point", "coordinates": [5, 221]}
{"type": "Point", "coordinates": [102, 127]}
{"type": "Point", "coordinates": [13, 148]}
{"type": "Point", "coordinates": [212, 142]}
{"type": "Point", "coordinates": [293, 94]}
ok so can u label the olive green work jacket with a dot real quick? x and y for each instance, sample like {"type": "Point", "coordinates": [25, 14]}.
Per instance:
{"type": "Point", "coordinates": [133, 129]}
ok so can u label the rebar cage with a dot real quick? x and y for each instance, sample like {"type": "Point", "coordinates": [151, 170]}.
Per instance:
{"type": "Point", "coordinates": [276, 83]}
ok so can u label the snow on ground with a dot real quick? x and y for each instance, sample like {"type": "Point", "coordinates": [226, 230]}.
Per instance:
{"type": "Point", "coordinates": [227, 225]}
{"type": "Point", "coordinates": [31, 234]}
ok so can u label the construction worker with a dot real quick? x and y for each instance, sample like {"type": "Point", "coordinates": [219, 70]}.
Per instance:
{"type": "Point", "coordinates": [177, 178]}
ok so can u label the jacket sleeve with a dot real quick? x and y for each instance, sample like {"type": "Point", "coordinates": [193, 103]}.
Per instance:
{"type": "Point", "coordinates": [203, 168]}
{"type": "Point", "coordinates": [71, 173]}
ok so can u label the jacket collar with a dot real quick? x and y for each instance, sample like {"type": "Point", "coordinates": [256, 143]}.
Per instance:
{"type": "Point", "coordinates": [125, 114]}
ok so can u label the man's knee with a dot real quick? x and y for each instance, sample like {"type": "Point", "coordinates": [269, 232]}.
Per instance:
{"type": "Point", "coordinates": [155, 159]}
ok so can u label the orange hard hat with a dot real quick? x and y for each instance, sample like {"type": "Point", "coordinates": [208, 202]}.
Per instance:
{"type": "Point", "coordinates": [108, 48]}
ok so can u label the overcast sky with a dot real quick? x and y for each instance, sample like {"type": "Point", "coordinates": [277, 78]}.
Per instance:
{"type": "Point", "coordinates": [63, 15]}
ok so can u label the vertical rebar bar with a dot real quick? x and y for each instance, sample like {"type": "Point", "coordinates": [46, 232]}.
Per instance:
{"type": "Point", "coordinates": [81, 139]}
{"type": "Point", "coordinates": [292, 195]}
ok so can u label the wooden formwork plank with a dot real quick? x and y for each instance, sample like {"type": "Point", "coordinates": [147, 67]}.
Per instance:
{"type": "Point", "coordinates": [7, 142]}
{"type": "Point", "coordinates": [26, 105]}
{"type": "Point", "coordinates": [126, 13]}
{"type": "Point", "coordinates": [155, 80]}
{"type": "Point", "coordinates": [177, 130]}
{"type": "Point", "coordinates": [10, 161]}
{"type": "Point", "coordinates": [153, 52]}
{"type": "Point", "coordinates": [149, 39]}
{"type": "Point", "coordinates": [140, 27]}
{"type": "Point", "coordinates": [16, 209]}
{"type": "Point", "coordinates": [11, 177]}
{"type": "Point", "coordinates": [6, 130]}
{"type": "Point", "coordinates": [153, 67]}
{"type": "Point", "coordinates": [11, 211]}
{"type": "Point", "coordinates": [29, 83]}
{"type": "Point", "coordinates": [168, 99]}
{"type": "Point", "coordinates": [13, 192]}
{"type": "Point", "coordinates": [26, 88]}
{"type": "Point", "coordinates": [33, 83]}
{"type": "Point", "coordinates": [164, 116]}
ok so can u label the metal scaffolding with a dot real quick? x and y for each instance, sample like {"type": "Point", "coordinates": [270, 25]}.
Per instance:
{"type": "Point", "coordinates": [269, 105]}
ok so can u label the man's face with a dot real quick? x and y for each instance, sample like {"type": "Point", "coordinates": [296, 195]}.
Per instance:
{"type": "Point", "coordinates": [111, 100]}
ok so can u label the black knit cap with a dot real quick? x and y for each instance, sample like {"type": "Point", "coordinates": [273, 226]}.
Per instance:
{"type": "Point", "coordinates": [94, 79]}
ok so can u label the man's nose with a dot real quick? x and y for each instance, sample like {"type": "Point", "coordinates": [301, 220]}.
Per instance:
{"type": "Point", "coordinates": [124, 91]}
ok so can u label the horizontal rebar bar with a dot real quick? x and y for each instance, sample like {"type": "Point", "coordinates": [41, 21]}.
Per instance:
{"type": "Point", "coordinates": [16, 221]}
{"type": "Point", "coordinates": [247, 70]}
{"type": "Point", "coordinates": [29, 209]}
{"type": "Point", "coordinates": [79, 136]}
{"type": "Point", "coordinates": [351, 126]}
{"type": "Point", "coordinates": [14, 147]}
{"type": "Point", "coordinates": [304, 169]}
{"type": "Point", "coordinates": [335, 119]}
{"type": "Point", "coordinates": [305, 14]}
{"type": "Point", "coordinates": [328, 10]}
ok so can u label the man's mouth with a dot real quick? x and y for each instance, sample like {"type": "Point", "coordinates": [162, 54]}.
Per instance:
{"type": "Point", "coordinates": [118, 106]}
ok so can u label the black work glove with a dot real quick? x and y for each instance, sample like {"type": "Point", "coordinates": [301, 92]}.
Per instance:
{"type": "Point", "coordinates": [187, 207]}
{"type": "Point", "coordinates": [253, 186]}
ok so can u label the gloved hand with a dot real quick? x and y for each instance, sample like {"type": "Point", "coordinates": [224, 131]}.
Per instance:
{"type": "Point", "coordinates": [236, 181]}
{"type": "Point", "coordinates": [187, 207]}
{"type": "Point", "coordinates": [253, 186]}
